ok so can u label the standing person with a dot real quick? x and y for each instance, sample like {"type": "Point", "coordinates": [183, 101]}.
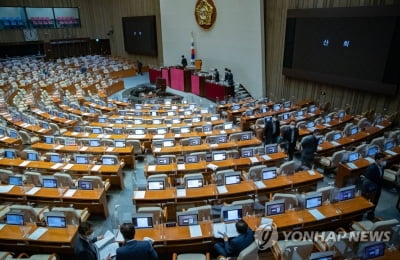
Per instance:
{"type": "Point", "coordinates": [230, 78]}
{"type": "Point", "coordinates": [309, 145]}
{"type": "Point", "coordinates": [184, 61]}
{"type": "Point", "coordinates": [139, 67]}
{"type": "Point", "coordinates": [372, 182]}
{"type": "Point", "coordinates": [84, 248]}
{"type": "Point", "coordinates": [133, 249]}
{"type": "Point", "coordinates": [226, 74]}
{"type": "Point", "coordinates": [290, 136]}
{"type": "Point", "coordinates": [234, 246]}
{"type": "Point", "coordinates": [216, 75]}
{"type": "Point", "coordinates": [272, 130]}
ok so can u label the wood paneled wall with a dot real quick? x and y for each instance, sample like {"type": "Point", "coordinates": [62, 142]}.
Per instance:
{"type": "Point", "coordinates": [98, 17]}
{"type": "Point", "coordinates": [279, 86]}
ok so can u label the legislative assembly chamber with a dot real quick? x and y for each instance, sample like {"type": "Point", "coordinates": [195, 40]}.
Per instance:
{"type": "Point", "coordinates": [185, 118]}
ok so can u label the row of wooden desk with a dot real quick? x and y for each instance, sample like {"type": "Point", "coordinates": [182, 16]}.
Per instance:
{"type": "Point", "coordinates": [58, 120]}
{"type": "Point", "coordinates": [25, 126]}
{"type": "Point", "coordinates": [112, 172]}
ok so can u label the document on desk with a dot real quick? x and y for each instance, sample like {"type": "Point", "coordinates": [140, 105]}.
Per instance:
{"type": "Point", "coordinates": [100, 136]}
{"type": "Point", "coordinates": [32, 191]}
{"type": "Point", "coordinates": [38, 233]}
{"type": "Point", "coordinates": [57, 165]}
{"type": "Point", "coordinates": [58, 147]}
{"type": "Point", "coordinates": [351, 165]}
{"type": "Point", "coordinates": [177, 135]}
{"type": "Point", "coordinates": [4, 138]}
{"type": "Point", "coordinates": [83, 148]}
{"type": "Point", "coordinates": [96, 167]}
{"type": "Point", "coordinates": [266, 157]}
{"type": "Point", "coordinates": [108, 250]}
{"type": "Point", "coordinates": [317, 215]}
{"type": "Point", "coordinates": [222, 132]}
{"type": "Point", "coordinates": [181, 166]}
{"type": "Point", "coordinates": [110, 149]}
{"type": "Point", "coordinates": [212, 166]}
{"type": "Point", "coordinates": [108, 237]}
{"type": "Point", "coordinates": [136, 136]}
{"type": "Point", "coordinates": [68, 166]}
{"type": "Point", "coordinates": [391, 152]}
{"type": "Point", "coordinates": [266, 221]}
{"type": "Point", "coordinates": [225, 228]}
{"type": "Point", "coordinates": [5, 188]}
{"type": "Point", "coordinates": [151, 168]}
{"type": "Point", "coordinates": [70, 193]}
{"type": "Point", "coordinates": [74, 133]}
{"type": "Point", "coordinates": [158, 136]}
{"type": "Point", "coordinates": [107, 136]}
{"type": "Point", "coordinates": [335, 143]}
{"type": "Point", "coordinates": [195, 231]}
{"type": "Point", "coordinates": [327, 125]}
{"type": "Point", "coordinates": [311, 172]}
{"type": "Point", "coordinates": [380, 126]}
{"type": "Point", "coordinates": [260, 184]}
{"type": "Point", "coordinates": [139, 194]}
{"type": "Point", "coordinates": [181, 192]}
{"type": "Point", "coordinates": [24, 163]}
{"type": "Point", "coordinates": [222, 189]}
{"type": "Point", "coordinates": [369, 159]}
{"type": "Point", "coordinates": [254, 160]}
{"type": "Point", "coordinates": [157, 149]}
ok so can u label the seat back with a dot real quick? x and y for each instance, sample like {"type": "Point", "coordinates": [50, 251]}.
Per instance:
{"type": "Point", "coordinates": [137, 147]}
{"type": "Point", "coordinates": [337, 157]}
{"type": "Point", "coordinates": [247, 206]}
{"type": "Point", "coordinates": [255, 172]}
{"type": "Point", "coordinates": [384, 225]}
{"type": "Point", "coordinates": [28, 211]}
{"type": "Point", "coordinates": [26, 139]}
{"type": "Point", "coordinates": [64, 179]}
{"type": "Point", "coordinates": [71, 215]}
{"type": "Point", "coordinates": [298, 250]}
{"type": "Point", "coordinates": [158, 213]}
{"type": "Point", "coordinates": [249, 253]}
{"type": "Point", "coordinates": [290, 200]}
{"type": "Point", "coordinates": [34, 178]}
{"type": "Point", "coordinates": [204, 212]}
{"type": "Point", "coordinates": [287, 168]}
{"type": "Point", "coordinates": [97, 181]}
{"type": "Point", "coordinates": [5, 176]}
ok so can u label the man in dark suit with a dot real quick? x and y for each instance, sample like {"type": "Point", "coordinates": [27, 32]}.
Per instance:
{"type": "Point", "coordinates": [133, 249]}
{"type": "Point", "coordinates": [272, 130]}
{"type": "Point", "coordinates": [184, 61]}
{"type": "Point", "coordinates": [374, 174]}
{"type": "Point", "coordinates": [290, 136]}
{"type": "Point", "coordinates": [309, 145]}
{"type": "Point", "coordinates": [230, 78]}
{"type": "Point", "coordinates": [216, 75]}
{"type": "Point", "coordinates": [233, 247]}
{"type": "Point", "coordinates": [84, 247]}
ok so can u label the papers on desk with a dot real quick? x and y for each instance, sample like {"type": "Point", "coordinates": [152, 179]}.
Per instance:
{"type": "Point", "coordinates": [222, 189]}
{"type": "Point", "coordinates": [380, 126]}
{"type": "Point", "coordinates": [390, 152]}
{"type": "Point", "coordinates": [110, 149]}
{"type": "Point", "coordinates": [4, 138]}
{"type": "Point", "coordinates": [266, 157]}
{"type": "Point", "coordinates": [24, 163]}
{"type": "Point", "coordinates": [151, 168]}
{"type": "Point", "coordinates": [107, 136]}
{"type": "Point", "coordinates": [195, 231]}
{"type": "Point", "coordinates": [57, 165]}
{"type": "Point", "coordinates": [177, 135]}
{"type": "Point", "coordinates": [369, 159]}
{"type": "Point", "coordinates": [136, 136]}
{"type": "Point", "coordinates": [311, 172]}
{"type": "Point", "coordinates": [351, 165]}
{"type": "Point", "coordinates": [317, 215]}
{"type": "Point", "coordinates": [32, 191]}
{"type": "Point", "coordinates": [96, 167]}
{"type": "Point", "coordinates": [158, 136]}
{"type": "Point", "coordinates": [107, 246]}
{"type": "Point", "coordinates": [108, 236]}
{"type": "Point", "coordinates": [181, 166]}
{"type": "Point", "coordinates": [139, 194]}
{"type": "Point", "coordinates": [70, 193]}
{"type": "Point", "coordinates": [59, 146]}
{"type": "Point", "coordinates": [83, 148]}
{"type": "Point", "coordinates": [225, 228]}
{"type": "Point", "coordinates": [100, 136]}
{"type": "Point", "coordinates": [327, 125]}
{"type": "Point", "coordinates": [254, 160]}
{"type": "Point", "coordinates": [213, 145]}
{"type": "Point", "coordinates": [68, 166]}
{"type": "Point", "coordinates": [74, 133]}
{"type": "Point", "coordinates": [266, 221]}
{"type": "Point", "coordinates": [68, 121]}
{"type": "Point", "coordinates": [157, 149]}
{"type": "Point", "coordinates": [335, 143]}
{"type": "Point", "coordinates": [5, 188]}
{"type": "Point", "coordinates": [212, 166]}
{"type": "Point", "coordinates": [38, 233]}
{"type": "Point", "coordinates": [311, 114]}
{"type": "Point", "coordinates": [222, 132]}
{"type": "Point", "coordinates": [42, 130]}
{"type": "Point", "coordinates": [260, 184]}
{"type": "Point", "coordinates": [181, 192]}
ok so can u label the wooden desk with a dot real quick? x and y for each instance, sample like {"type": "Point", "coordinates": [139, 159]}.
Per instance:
{"type": "Point", "coordinates": [112, 172]}
{"type": "Point", "coordinates": [59, 120]}
{"type": "Point", "coordinates": [85, 115]}
{"type": "Point", "coordinates": [9, 142]}
{"type": "Point", "coordinates": [106, 109]}
{"type": "Point", "coordinates": [57, 240]}
{"type": "Point", "coordinates": [333, 124]}
{"type": "Point", "coordinates": [95, 200]}
{"type": "Point", "coordinates": [25, 126]}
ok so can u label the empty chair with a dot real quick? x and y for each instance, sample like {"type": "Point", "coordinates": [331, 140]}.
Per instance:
{"type": "Point", "coordinates": [27, 139]}
{"type": "Point", "coordinates": [392, 176]}
{"type": "Point", "coordinates": [109, 159]}
{"type": "Point", "coordinates": [220, 176]}
{"type": "Point", "coordinates": [31, 214]}
{"type": "Point", "coordinates": [157, 143]}
{"type": "Point", "coordinates": [161, 176]}
{"type": "Point", "coordinates": [290, 200]}
{"type": "Point", "coordinates": [64, 179]}
{"type": "Point", "coordinates": [204, 212]}
{"type": "Point", "coordinates": [98, 182]}
{"type": "Point", "coordinates": [331, 162]}
{"type": "Point", "coordinates": [200, 155]}
{"type": "Point", "coordinates": [39, 256]}
{"type": "Point", "coordinates": [158, 214]}
{"type": "Point", "coordinates": [291, 250]}
{"type": "Point", "coordinates": [255, 172]}
{"type": "Point", "coordinates": [346, 129]}
{"type": "Point", "coordinates": [5, 176]}
{"type": "Point", "coordinates": [137, 146]}
{"type": "Point", "coordinates": [73, 216]}
{"type": "Point", "coordinates": [34, 178]}
{"type": "Point", "coordinates": [191, 256]}
{"type": "Point", "coordinates": [379, 141]}
{"type": "Point", "coordinates": [363, 123]}
{"type": "Point", "coordinates": [361, 149]}
{"type": "Point", "coordinates": [192, 176]}
{"type": "Point", "coordinates": [107, 142]}
{"type": "Point", "coordinates": [235, 137]}
{"type": "Point", "coordinates": [327, 192]}
{"type": "Point", "coordinates": [329, 135]}
{"type": "Point", "coordinates": [218, 127]}
{"type": "Point", "coordinates": [249, 253]}
{"type": "Point", "coordinates": [247, 206]}
{"type": "Point", "coordinates": [56, 129]}
{"type": "Point", "coordinates": [367, 225]}
{"type": "Point", "coordinates": [260, 150]}
{"type": "Point", "coordinates": [286, 168]}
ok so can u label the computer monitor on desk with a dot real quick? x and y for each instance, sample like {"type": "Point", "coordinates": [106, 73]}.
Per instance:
{"type": "Point", "coordinates": [56, 221]}
{"type": "Point", "coordinates": [327, 119]}
{"type": "Point", "coordinates": [102, 119]}
{"type": "Point", "coordinates": [78, 129]}
{"type": "Point", "coordinates": [353, 130]}
{"type": "Point", "coordinates": [218, 155]}
{"type": "Point", "coordinates": [231, 213]}
{"type": "Point", "coordinates": [275, 207]}
{"type": "Point", "coordinates": [119, 120]}
{"type": "Point", "coordinates": [187, 218]}
{"type": "Point", "coordinates": [163, 160]}
{"type": "Point", "coordinates": [142, 220]}
{"type": "Point", "coordinates": [70, 141]}
{"type": "Point", "coordinates": [15, 180]}
{"type": "Point", "coordinates": [271, 148]}
{"type": "Point", "coordinates": [245, 136]}
{"type": "Point", "coordinates": [353, 156]}
{"type": "Point", "coordinates": [346, 193]}
{"type": "Point", "coordinates": [311, 109]}
{"type": "Point", "coordinates": [371, 250]}
{"type": "Point", "coordinates": [155, 184]}
{"type": "Point", "coordinates": [118, 131]}
{"type": "Point", "coordinates": [220, 139]}
{"type": "Point", "coordinates": [337, 136]}
{"type": "Point", "coordinates": [196, 119]}
{"type": "Point", "coordinates": [15, 219]}
{"type": "Point", "coordinates": [85, 184]}
{"type": "Point", "coordinates": [232, 178]}
{"type": "Point", "coordinates": [44, 124]}
{"type": "Point", "coordinates": [107, 160]}
{"type": "Point", "coordinates": [81, 159]}
{"type": "Point", "coordinates": [120, 143]}
{"type": "Point", "coordinates": [388, 145]}
{"type": "Point", "coordinates": [185, 130]}
{"type": "Point", "coordinates": [328, 255]}
{"type": "Point", "coordinates": [277, 107]}
{"type": "Point", "coordinates": [49, 139]}
{"type": "Point", "coordinates": [191, 158]}
{"type": "Point", "coordinates": [49, 183]}
{"type": "Point", "coordinates": [97, 130]}
{"type": "Point", "coordinates": [32, 156]}
{"type": "Point", "coordinates": [194, 141]}
{"type": "Point", "coordinates": [263, 109]}
{"type": "Point", "coordinates": [139, 131]}
{"type": "Point", "coordinates": [287, 104]}
{"type": "Point", "coordinates": [235, 106]}
{"type": "Point", "coordinates": [372, 150]}
{"type": "Point", "coordinates": [193, 182]}
{"type": "Point", "coordinates": [247, 152]}
{"type": "Point", "coordinates": [162, 131]}
{"type": "Point", "coordinates": [313, 200]}
{"type": "Point", "coordinates": [138, 121]}
{"type": "Point", "coordinates": [55, 158]}
{"type": "Point", "coordinates": [168, 143]}
{"type": "Point", "coordinates": [285, 116]}
{"type": "Point", "coordinates": [268, 173]}
{"type": "Point", "coordinates": [94, 142]}
{"type": "Point", "coordinates": [228, 125]}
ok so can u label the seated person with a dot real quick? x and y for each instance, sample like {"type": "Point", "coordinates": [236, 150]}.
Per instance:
{"type": "Point", "coordinates": [233, 247]}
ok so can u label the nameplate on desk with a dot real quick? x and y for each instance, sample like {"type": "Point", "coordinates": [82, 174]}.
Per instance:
{"type": "Point", "coordinates": [391, 152]}
{"type": "Point", "coordinates": [195, 231]}
{"type": "Point", "coordinates": [86, 134]}
{"type": "Point", "coordinates": [38, 233]}
{"type": "Point", "coordinates": [311, 172]}
{"type": "Point", "coordinates": [253, 159]}
{"type": "Point", "coordinates": [107, 136]}
{"type": "Point", "coordinates": [260, 184]}
{"type": "Point", "coordinates": [157, 149]}
{"type": "Point", "coordinates": [68, 121]}
{"type": "Point", "coordinates": [139, 194]}
{"type": "Point", "coordinates": [351, 165]}
{"type": "Point", "coordinates": [110, 149]}
{"type": "Point", "coordinates": [32, 191]}
{"type": "Point", "coordinates": [24, 163]}
{"type": "Point", "coordinates": [24, 125]}
{"type": "Point", "coordinates": [111, 125]}
{"type": "Point", "coordinates": [136, 136]}
{"type": "Point", "coordinates": [151, 168]}
{"type": "Point", "coordinates": [207, 133]}
{"type": "Point", "coordinates": [177, 135]}
{"type": "Point", "coordinates": [327, 125]}
{"type": "Point", "coordinates": [68, 166]}
{"type": "Point", "coordinates": [213, 145]}
{"type": "Point", "coordinates": [53, 117]}
{"type": "Point", "coordinates": [222, 132]}
{"type": "Point", "coordinates": [335, 143]}
{"type": "Point", "coordinates": [96, 167]}
{"type": "Point", "coordinates": [42, 130]}
{"type": "Point", "coordinates": [59, 146]}
{"type": "Point", "coordinates": [169, 125]}
{"type": "Point", "coordinates": [266, 221]}
{"type": "Point", "coordinates": [5, 188]}
{"type": "Point", "coordinates": [369, 159]}
{"type": "Point", "coordinates": [181, 166]}
{"type": "Point", "coordinates": [316, 214]}
{"type": "Point", "coordinates": [158, 136]}
{"type": "Point", "coordinates": [56, 166]}
{"type": "Point", "coordinates": [70, 193]}
{"type": "Point", "coordinates": [212, 166]}
{"type": "Point", "coordinates": [84, 148]}
{"type": "Point", "coordinates": [266, 157]}
{"type": "Point", "coordinates": [181, 192]}
{"type": "Point", "coordinates": [100, 136]}
{"type": "Point", "coordinates": [251, 116]}
{"type": "Point", "coordinates": [222, 189]}
{"type": "Point", "coordinates": [380, 126]}
{"type": "Point", "coordinates": [4, 138]}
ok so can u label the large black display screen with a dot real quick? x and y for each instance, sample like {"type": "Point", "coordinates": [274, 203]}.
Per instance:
{"type": "Point", "coordinates": [140, 35]}
{"type": "Point", "coordinates": [354, 47]}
